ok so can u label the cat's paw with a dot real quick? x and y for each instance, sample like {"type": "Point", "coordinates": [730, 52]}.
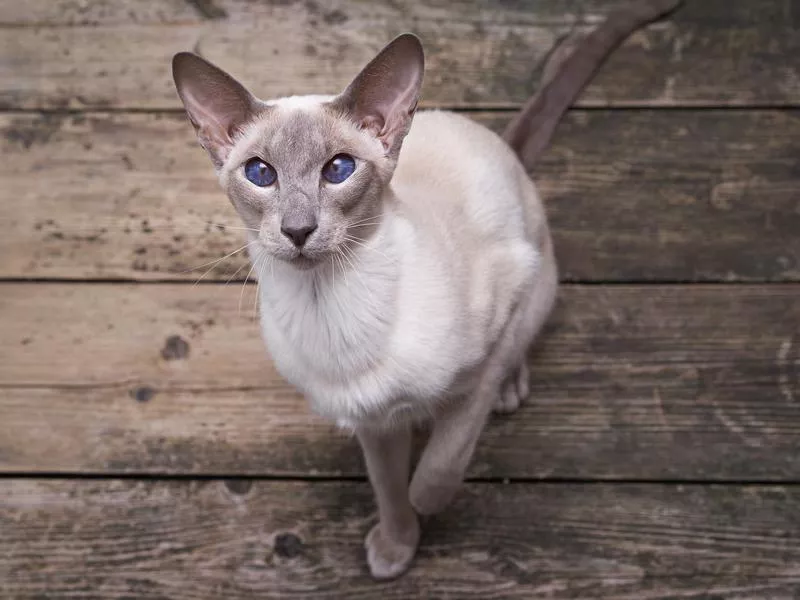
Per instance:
{"type": "Point", "coordinates": [431, 495]}
{"type": "Point", "coordinates": [514, 391]}
{"type": "Point", "coordinates": [388, 558]}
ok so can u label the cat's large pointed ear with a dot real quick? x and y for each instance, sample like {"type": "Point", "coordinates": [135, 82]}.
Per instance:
{"type": "Point", "coordinates": [384, 95]}
{"type": "Point", "coordinates": [217, 105]}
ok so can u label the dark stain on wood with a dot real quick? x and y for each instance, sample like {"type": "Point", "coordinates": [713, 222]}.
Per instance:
{"type": "Point", "coordinates": [25, 133]}
{"type": "Point", "coordinates": [143, 393]}
{"type": "Point", "coordinates": [239, 487]}
{"type": "Point", "coordinates": [288, 545]}
{"type": "Point", "coordinates": [175, 348]}
{"type": "Point", "coordinates": [335, 17]}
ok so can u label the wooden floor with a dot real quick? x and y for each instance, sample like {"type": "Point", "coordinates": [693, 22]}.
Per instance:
{"type": "Point", "coordinates": [148, 450]}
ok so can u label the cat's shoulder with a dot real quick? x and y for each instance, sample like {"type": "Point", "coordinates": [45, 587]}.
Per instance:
{"type": "Point", "coordinates": [453, 134]}
{"type": "Point", "coordinates": [434, 120]}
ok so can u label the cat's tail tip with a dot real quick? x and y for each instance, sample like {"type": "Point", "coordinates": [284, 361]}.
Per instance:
{"type": "Point", "coordinates": [668, 5]}
{"type": "Point", "coordinates": [570, 67]}
{"type": "Point", "coordinates": [650, 10]}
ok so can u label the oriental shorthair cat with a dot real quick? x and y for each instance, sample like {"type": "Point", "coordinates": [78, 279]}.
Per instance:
{"type": "Point", "coordinates": [404, 258]}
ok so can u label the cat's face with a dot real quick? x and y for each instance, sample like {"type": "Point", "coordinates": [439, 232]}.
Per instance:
{"type": "Point", "coordinates": [308, 173]}
{"type": "Point", "coordinates": [307, 178]}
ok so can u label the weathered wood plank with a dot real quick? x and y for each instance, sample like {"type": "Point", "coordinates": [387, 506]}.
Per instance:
{"type": "Point", "coordinates": [336, 12]}
{"type": "Point", "coordinates": [710, 53]}
{"type": "Point", "coordinates": [331, 12]}
{"type": "Point", "coordinates": [198, 540]}
{"type": "Point", "coordinates": [687, 383]}
{"type": "Point", "coordinates": [632, 196]}
{"type": "Point", "coordinates": [39, 13]}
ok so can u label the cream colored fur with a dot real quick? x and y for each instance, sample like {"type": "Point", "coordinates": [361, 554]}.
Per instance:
{"type": "Point", "coordinates": [389, 336]}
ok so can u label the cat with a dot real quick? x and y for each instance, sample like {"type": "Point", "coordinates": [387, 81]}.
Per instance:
{"type": "Point", "coordinates": [405, 259]}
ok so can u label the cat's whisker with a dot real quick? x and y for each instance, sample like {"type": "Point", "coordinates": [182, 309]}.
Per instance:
{"type": "Point", "coordinates": [232, 277]}
{"type": "Point", "coordinates": [246, 279]}
{"type": "Point", "coordinates": [366, 224]}
{"type": "Point", "coordinates": [334, 264]}
{"type": "Point", "coordinates": [335, 308]}
{"type": "Point", "coordinates": [353, 240]}
{"type": "Point", "coordinates": [185, 229]}
{"type": "Point", "coordinates": [332, 287]}
{"type": "Point", "coordinates": [370, 219]}
{"type": "Point", "coordinates": [213, 263]}
{"type": "Point", "coordinates": [341, 266]}
{"type": "Point", "coordinates": [364, 285]}
{"type": "Point", "coordinates": [257, 299]}
{"type": "Point", "coordinates": [232, 227]}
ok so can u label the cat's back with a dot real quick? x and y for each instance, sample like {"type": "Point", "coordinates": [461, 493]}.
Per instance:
{"type": "Point", "coordinates": [454, 169]}
{"type": "Point", "coordinates": [478, 225]}
{"type": "Point", "coordinates": [458, 175]}
{"type": "Point", "coordinates": [434, 131]}
{"type": "Point", "coordinates": [446, 149]}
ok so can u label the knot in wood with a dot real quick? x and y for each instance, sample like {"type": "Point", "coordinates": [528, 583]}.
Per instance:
{"type": "Point", "coordinates": [143, 393]}
{"type": "Point", "coordinates": [288, 545]}
{"type": "Point", "coordinates": [175, 348]}
{"type": "Point", "coordinates": [238, 486]}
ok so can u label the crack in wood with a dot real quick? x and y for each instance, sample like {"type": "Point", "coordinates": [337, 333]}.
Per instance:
{"type": "Point", "coordinates": [784, 368]}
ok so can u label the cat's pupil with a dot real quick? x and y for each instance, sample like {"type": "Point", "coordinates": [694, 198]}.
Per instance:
{"type": "Point", "coordinates": [260, 173]}
{"type": "Point", "coordinates": [339, 168]}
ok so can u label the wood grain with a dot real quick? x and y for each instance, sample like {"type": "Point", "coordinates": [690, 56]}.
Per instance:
{"type": "Point", "coordinates": [241, 539]}
{"type": "Point", "coordinates": [718, 52]}
{"type": "Point", "coordinates": [632, 196]}
{"type": "Point", "coordinates": [335, 12]}
{"type": "Point", "coordinates": [639, 382]}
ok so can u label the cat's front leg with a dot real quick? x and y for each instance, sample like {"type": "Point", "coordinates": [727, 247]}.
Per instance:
{"type": "Point", "coordinates": [444, 461]}
{"type": "Point", "coordinates": [392, 542]}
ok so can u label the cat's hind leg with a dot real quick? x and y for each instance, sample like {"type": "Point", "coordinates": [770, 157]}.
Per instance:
{"type": "Point", "coordinates": [514, 390]}
{"type": "Point", "coordinates": [444, 461]}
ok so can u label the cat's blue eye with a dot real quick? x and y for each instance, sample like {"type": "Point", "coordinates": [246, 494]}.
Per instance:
{"type": "Point", "coordinates": [339, 168]}
{"type": "Point", "coordinates": [259, 173]}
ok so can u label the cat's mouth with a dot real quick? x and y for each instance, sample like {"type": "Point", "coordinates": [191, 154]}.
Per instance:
{"type": "Point", "coordinates": [303, 261]}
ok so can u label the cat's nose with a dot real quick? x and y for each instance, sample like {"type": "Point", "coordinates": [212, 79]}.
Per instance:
{"type": "Point", "coordinates": [298, 232]}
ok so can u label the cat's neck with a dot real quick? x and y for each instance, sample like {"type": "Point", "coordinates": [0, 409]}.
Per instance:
{"type": "Point", "coordinates": [338, 315]}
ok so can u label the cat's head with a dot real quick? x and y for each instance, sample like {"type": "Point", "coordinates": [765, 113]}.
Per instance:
{"type": "Point", "coordinates": [307, 172]}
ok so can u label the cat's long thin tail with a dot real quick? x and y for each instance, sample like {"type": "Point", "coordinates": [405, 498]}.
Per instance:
{"type": "Point", "coordinates": [570, 67]}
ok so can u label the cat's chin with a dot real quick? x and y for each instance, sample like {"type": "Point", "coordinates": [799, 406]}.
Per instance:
{"type": "Point", "coordinates": [302, 262]}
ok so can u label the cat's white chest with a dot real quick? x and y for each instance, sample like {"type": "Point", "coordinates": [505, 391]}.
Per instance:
{"type": "Point", "coordinates": [322, 331]}
{"type": "Point", "coordinates": [367, 344]}
{"type": "Point", "coordinates": [345, 343]}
